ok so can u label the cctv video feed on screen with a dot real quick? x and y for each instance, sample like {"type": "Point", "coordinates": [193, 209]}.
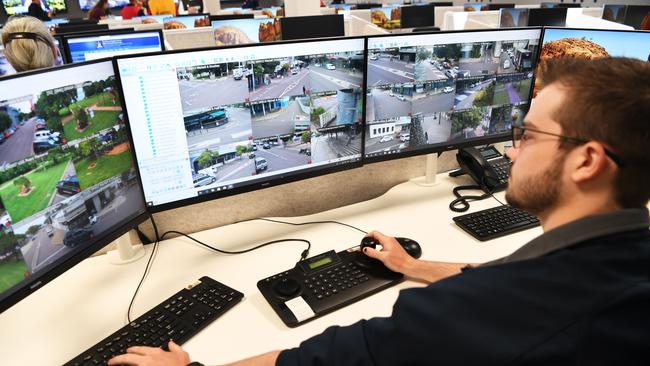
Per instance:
{"type": "Point", "coordinates": [434, 89]}
{"type": "Point", "coordinates": [67, 175]}
{"type": "Point", "coordinates": [592, 44]}
{"type": "Point", "coordinates": [247, 115]}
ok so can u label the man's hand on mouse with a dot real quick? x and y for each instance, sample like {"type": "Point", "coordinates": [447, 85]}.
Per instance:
{"type": "Point", "coordinates": [392, 254]}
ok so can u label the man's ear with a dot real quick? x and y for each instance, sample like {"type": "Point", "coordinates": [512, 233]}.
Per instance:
{"type": "Point", "coordinates": [589, 161]}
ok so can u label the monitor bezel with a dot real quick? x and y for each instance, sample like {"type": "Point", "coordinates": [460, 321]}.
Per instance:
{"type": "Point", "coordinates": [37, 280]}
{"type": "Point", "coordinates": [448, 145]}
{"type": "Point", "coordinates": [113, 32]}
{"type": "Point", "coordinates": [271, 181]}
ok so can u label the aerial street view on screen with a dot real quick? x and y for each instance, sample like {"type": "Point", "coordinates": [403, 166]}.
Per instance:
{"type": "Point", "coordinates": [67, 173]}
{"type": "Point", "coordinates": [278, 114]}
{"type": "Point", "coordinates": [432, 94]}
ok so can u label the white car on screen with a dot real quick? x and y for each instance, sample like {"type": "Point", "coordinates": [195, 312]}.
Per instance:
{"type": "Point", "coordinates": [330, 67]}
{"type": "Point", "coordinates": [448, 89]}
{"type": "Point", "coordinates": [386, 138]}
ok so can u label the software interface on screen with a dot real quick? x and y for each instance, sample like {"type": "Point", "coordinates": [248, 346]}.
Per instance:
{"type": "Point", "coordinates": [186, 21]}
{"type": "Point", "coordinates": [21, 6]}
{"type": "Point", "coordinates": [88, 4]}
{"type": "Point", "coordinates": [244, 31]}
{"type": "Point", "coordinates": [441, 89]}
{"type": "Point", "coordinates": [104, 46]}
{"type": "Point", "coordinates": [248, 115]}
{"type": "Point", "coordinates": [67, 176]}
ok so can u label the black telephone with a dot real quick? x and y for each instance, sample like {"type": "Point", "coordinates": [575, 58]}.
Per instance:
{"type": "Point", "coordinates": [486, 166]}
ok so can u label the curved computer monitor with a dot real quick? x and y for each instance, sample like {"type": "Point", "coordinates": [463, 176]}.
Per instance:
{"type": "Point", "coordinates": [547, 17]}
{"type": "Point", "coordinates": [441, 91]}
{"type": "Point", "coordinates": [68, 185]}
{"type": "Point", "coordinates": [235, 119]}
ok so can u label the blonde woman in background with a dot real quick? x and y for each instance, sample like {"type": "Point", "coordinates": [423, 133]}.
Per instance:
{"type": "Point", "coordinates": [28, 44]}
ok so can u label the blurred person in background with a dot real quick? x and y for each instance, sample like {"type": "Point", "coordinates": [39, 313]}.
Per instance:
{"type": "Point", "coordinates": [29, 45]}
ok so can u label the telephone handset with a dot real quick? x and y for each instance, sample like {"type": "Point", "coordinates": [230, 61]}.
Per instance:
{"type": "Point", "coordinates": [486, 166]}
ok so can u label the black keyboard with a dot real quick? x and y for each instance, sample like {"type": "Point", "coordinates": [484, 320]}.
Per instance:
{"type": "Point", "coordinates": [178, 318]}
{"type": "Point", "coordinates": [495, 222]}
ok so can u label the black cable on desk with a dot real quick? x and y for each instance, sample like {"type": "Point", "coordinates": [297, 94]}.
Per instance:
{"type": "Point", "coordinates": [303, 255]}
{"type": "Point", "coordinates": [308, 223]}
{"type": "Point", "coordinates": [146, 268]}
{"type": "Point", "coordinates": [461, 203]}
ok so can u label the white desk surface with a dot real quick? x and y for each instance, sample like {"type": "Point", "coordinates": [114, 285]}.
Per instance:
{"type": "Point", "coordinates": [89, 302]}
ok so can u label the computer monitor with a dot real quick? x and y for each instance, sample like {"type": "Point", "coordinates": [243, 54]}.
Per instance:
{"type": "Point", "coordinates": [472, 7]}
{"type": "Point", "coordinates": [387, 17]}
{"type": "Point", "coordinates": [231, 17]}
{"type": "Point", "coordinates": [80, 48]}
{"type": "Point", "coordinates": [614, 13]}
{"type": "Point", "coordinates": [513, 17]}
{"type": "Point", "coordinates": [316, 26]}
{"type": "Point", "coordinates": [68, 185]}
{"type": "Point", "coordinates": [548, 17]}
{"type": "Point", "coordinates": [273, 12]}
{"type": "Point", "coordinates": [152, 19]}
{"type": "Point", "coordinates": [366, 6]}
{"type": "Point", "coordinates": [245, 31]}
{"type": "Point", "coordinates": [21, 6]}
{"type": "Point", "coordinates": [188, 21]}
{"type": "Point", "coordinates": [343, 8]}
{"type": "Point", "coordinates": [418, 16]}
{"type": "Point", "coordinates": [550, 5]}
{"type": "Point", "coordinates": [68, 28]}
{"type": "Point", "coordinates": [593, 43]}
{"type": "Point", "coordinates": [638, 17]}
{"type": "Point", "coordinates": [251, 116]}
{"type": "Point", "coordinates": [5, 66]}
{"type": "Point", "coordinates": [435, 92]}
{"type": "Point", "coordinates": [88, 4]}
{"type": "Point", "coordinates": [497, 6]}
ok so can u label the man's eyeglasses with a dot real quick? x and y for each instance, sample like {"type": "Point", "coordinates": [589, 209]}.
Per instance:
{"type": "Point", "coordinates": [519, 135]}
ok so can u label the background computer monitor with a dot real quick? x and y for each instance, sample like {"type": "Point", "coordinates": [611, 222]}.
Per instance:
{"type": "Point", "coordinates": [188, 21]}
{"type": "Point", "coordinates": [88, 4]}
{"type": "Point", "coordinates": [68, 185]}
{"type": "Point", "coordinates": [80, 48]}
{"type": "Point", "coordinates": [68, 28]}
{"type": "Point", "coordinates": [497, 6]}
{"type": "Point", "coordinates": [21, 6]}
{"type": "Point", "coordinates": [546, 5]}
{"type": "Point", "coordinates": [638, 16]}
{"type": "Point", "coordinates": [513, 17]}
{"type": "Point", "coordinates": [614, 13]}
{"type": "Point", "coordinates": [435, 92]}
{"type": "Point", "coordinates": [366, 6]}
{"type": "Point", "coordinates": [245, 31]}
{"type": "Point", "coordinates": [387, 16]}
{"type": "Point", "coordinates": [251, 116]}
{"type": "Point", "coordinates": [5, 66]}
{"type": "Point", "coordinates": [317, 26]}
{"type": "Point", "coordinates": [231, 16]}
{"type": "Point", "coordinates": [418, 16]}
{"type": "Point", "coordinates": [472, 7]}
{"type": "Point", "coordinates": [548, 17]}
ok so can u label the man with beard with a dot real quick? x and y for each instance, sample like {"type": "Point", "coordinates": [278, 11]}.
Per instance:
{"type": "Point", "coordinates": [577, 294]}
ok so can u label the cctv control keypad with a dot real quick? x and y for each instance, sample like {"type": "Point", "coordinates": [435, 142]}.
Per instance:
{"type": "Point", "coordinates": [502, 167]}
{"type": "Point", "coordinates": [326, 282]}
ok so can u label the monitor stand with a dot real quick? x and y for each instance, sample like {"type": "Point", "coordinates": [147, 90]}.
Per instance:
{"type": "Point", "coordinates": [125, 252]}
{"type": "Point", "coordinates": [430, 172]}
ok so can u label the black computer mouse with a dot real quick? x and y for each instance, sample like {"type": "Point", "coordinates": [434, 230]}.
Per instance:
{"type": "Point", "coordinates": [411, 246]}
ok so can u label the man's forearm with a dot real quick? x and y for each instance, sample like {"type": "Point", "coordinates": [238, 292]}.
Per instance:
{"type": "Point", "coordinates": [430, 271]}
{"type": "Point", "coordinates": [265, 359]}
